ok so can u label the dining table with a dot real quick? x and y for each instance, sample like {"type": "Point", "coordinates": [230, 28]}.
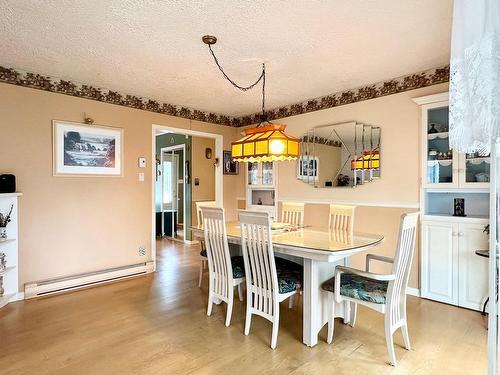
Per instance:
{"type": "Point", "coordinates": [319, 250]}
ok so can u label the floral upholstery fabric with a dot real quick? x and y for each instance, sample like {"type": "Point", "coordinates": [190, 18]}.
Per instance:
{"type": "Point", "coordinates": [238, 267]}
{"type": "Point", "coordinates": [290, 275]}
{"type": "Point", "coordinates": [359, 287]}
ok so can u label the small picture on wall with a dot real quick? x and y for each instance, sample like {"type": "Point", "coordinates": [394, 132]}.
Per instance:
{"type": "Point", "coordinates": [307, 168]}
{"type": "Point", "coordinates": [91, 150]}
{"type": "Point", "coordinates": [229, 166]}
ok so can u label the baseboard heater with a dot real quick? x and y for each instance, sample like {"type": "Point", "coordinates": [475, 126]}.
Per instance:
{"type": "Point", "coordinates": [85, 280]}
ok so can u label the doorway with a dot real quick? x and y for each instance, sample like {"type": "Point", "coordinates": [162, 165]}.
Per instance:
{"type": "Point", "coordinates": [173, 192]}
{"type": "Point", "coordinates": [201, 167]}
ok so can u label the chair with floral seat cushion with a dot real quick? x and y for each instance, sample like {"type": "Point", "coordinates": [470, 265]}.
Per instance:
{"type": "Point", "coordinates": [290, 276]}
{"type": "Point", "coordinates": [203, 252]}
{"type": "Point", "coordinates": [266, 287]}
{"type": "Point", "coordinates": [224, 272]}
{"type": "Point", "coordinates": [380, 292]}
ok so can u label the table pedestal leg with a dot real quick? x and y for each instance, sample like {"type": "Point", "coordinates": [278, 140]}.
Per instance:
{"type": "Point", "coordinates": [315, 300]}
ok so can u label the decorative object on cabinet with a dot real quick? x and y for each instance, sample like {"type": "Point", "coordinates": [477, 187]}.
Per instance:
{"type": "Point", "coordinates": [3, 262]}
{"type": "Point", "coordinates": [342, 154]}
{"type": "Point", "coordinates": [7, 183]}
{"type": "Point", "coordinates": [9, 249]}
{"type": "Point", "coordinates": [459, 207]}
{"type": "Point", "coordinates": [230, 166]}
{"type": "Point", "coordinates": [4, 220]}
{"type": "Point", "coordinates": [87, 150]}
{"type": "Point", "coordinates": [266, 143]}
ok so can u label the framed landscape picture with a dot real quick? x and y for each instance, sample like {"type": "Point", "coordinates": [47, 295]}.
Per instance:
{"type": "Point", "coordinates": [87, 150]}
{"type": "Point", "coordinates": [229, 166]}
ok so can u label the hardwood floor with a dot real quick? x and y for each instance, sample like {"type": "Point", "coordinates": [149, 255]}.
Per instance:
{"type": "Point", "coordinates": [158, 325]}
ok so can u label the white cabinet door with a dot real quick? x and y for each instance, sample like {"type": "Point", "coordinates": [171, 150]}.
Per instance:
{"type": "Point", "coordinates": [473, 269]}
{"type": "Point", "coordinates": [440, 261]}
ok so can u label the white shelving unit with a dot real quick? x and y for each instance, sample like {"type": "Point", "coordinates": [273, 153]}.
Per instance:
{"type": "Point", "coordinates": [450, 270]}
{"type": "Point", "coordinates": [10, 248]}
{"type": "Point", "coordinates": [261, 187]}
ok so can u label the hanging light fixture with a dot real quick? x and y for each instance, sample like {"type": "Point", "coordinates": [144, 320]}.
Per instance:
{"type": "Point", "coordinates": [267, 141]}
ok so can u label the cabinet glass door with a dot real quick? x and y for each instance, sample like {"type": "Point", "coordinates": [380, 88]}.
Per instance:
{"type": "Point", "coordinates": [267, 173]}
{"type": "Point", "coordinates": [477, 170]}
{"type": "Point", "coordinates": [253, 173]}
{"type": "Point", "coordinates": [440, 158]}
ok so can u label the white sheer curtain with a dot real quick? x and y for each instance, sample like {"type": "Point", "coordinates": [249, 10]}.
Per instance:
{"type": "Point", "coordinates": [475, 75]}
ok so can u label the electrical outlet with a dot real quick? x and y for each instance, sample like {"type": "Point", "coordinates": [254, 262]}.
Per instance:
{"type": "Point", "coordinates": [142, 251]}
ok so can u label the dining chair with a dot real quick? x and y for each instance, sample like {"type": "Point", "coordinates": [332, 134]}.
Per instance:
{"type": "Point", "coordinates": [341, 217]}
{"type": "Point", "coordinates": [225, 272]}
{"type": "Point", "coordinates": [269, 280]}
{"type": "Point", "coordinates": [292, 213]}
{"type": "Point", "coordinates": [203, 252]}
{"type": "Point", "coordinates": [385, 293]}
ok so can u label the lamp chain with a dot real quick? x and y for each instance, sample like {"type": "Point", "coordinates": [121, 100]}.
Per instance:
{"type": "Point", "coordinates": [262, 78]}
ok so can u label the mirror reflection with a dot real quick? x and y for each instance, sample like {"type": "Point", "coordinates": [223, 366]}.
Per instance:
{"type": "Point", "coordinates": [340, 155]}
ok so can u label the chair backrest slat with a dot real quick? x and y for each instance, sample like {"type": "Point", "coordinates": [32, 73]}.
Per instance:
{"type": "Point", "coordinates": [258, 256]}
{"type": "Point", "coordinates": [199, 213]}
{"type": "Point", "coordinates": [219, 259]}
{"type": "Point", "coordinates": [292, 213]}
{"type": "Point", "coordinates": [341, 218]}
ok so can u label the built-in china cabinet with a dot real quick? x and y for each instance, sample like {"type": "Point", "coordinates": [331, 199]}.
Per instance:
{"type": "Point", "coordinates": [452, 182]}
{"type": "Point", "coordinates": [261, 187]}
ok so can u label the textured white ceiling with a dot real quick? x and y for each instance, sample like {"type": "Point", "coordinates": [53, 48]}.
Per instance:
{"type": "Point", "coordinates": [153, 48]}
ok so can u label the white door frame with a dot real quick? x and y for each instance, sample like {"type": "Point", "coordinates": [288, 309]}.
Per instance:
{"type": "Point", "coordinates": [165, 150]}
{"type": "Point", "coordinates": [218, 172]}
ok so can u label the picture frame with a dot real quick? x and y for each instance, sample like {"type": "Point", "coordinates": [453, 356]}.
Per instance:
{"type": "Point", "coordinates": [229, 166]}
{"type": "Point", "coordinates": [308, 168]}
{"type": "Point", "coordinates": [86, 150]}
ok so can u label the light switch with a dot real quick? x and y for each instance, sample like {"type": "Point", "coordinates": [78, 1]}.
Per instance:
{"type": "Point", "coordinates": [142, 162]}
{"type": "Point", "coordinates": [141, 177]}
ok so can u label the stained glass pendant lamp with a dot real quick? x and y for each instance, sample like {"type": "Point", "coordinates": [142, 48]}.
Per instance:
{"type": "Point", "coordinates": [267, 141]}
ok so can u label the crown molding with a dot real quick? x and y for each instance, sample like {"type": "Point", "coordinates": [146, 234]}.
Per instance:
{"type": "Point", "coordinates": [377, 90]}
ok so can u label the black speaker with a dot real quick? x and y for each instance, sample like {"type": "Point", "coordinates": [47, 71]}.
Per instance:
{"type": "Point", "coordinates": [7, 183]}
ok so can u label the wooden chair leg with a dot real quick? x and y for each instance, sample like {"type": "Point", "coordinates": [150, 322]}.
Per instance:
{"type": "Point", "coordinates": [201, 273]}
{"type": "Point", "coordinates": [240, 291]}
{"type": "Point", "coordinates": [353, 313]}
{"type": "Point", "coordinates": [390, 342]}
{"type": "Point", "coordinates": [210, 303]}
{"type": "Point", "coordinates": [229, 311]}
{"type": "Point", "coordinates": [331, 318]}
{"type": "Point", "coordinates": [274, 336]}
{"type": "Point", "coordinates": [406, 336]}
{"type": "Point", "coordinates": [248, 320]}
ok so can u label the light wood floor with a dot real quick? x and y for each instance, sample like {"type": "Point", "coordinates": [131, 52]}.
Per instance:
{"type": "Point", "coordinates": [158, 325]}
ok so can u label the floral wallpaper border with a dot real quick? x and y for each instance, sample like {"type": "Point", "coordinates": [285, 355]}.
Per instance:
{"type": "Point", "coordinates": [377, 90]}
{"type": "Point", "coordinates": [393, 86]}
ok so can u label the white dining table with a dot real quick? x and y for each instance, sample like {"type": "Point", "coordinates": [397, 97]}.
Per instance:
{"type": "Point", "coordinates": [319, 250]}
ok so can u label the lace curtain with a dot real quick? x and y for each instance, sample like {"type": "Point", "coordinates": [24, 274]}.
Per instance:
{"type": "Point", "coordinates": [475, 75]}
